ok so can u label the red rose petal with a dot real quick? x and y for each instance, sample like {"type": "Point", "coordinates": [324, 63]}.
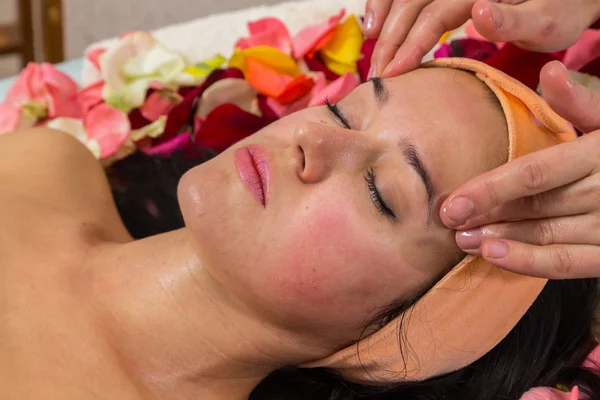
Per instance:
{"type": "Point", "coordinates": [226, 125]}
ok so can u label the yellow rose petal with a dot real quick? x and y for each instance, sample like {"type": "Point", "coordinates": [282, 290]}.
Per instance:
{"type": "Point", "coordinates": [343, 51]}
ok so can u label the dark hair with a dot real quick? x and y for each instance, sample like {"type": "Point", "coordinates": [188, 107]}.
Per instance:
{"type": "Point", "coordinates": [546, 348]}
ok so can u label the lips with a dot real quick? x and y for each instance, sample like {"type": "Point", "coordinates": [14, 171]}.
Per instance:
{"type": "Point", "coordinates": [253, 166]}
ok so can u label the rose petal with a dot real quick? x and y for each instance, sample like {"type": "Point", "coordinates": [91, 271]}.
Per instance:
{"type": "Point", "coordinates": [265, 79]}
{"type": "Point", "coordinates": [315, 63]}
{"type": "Point", "coordinates": [363, 65]}
{"type": "Point", "coordinates": [159, 103]}
{"type": "Point", "coordinates": [296, 89]}
{"type": "Point", "coordinates": [232, 91]}
{"type": "Point", "coordinates": [268, 56]}
{"type": "Point", "coordinates": [181, 114]}
{"type": "Point", "coordinates": [584, 51]}
{"type": "Point", "coordinates": [274, 109]}
{"type": "Point", "coordinates": [267, 32]}
{"type": "Point", "coordinates": [343, 51]}
{"type": "Point", "coordinates": [444, 51]}
{"type": "Point", "coordinates": [28, 86]}
{"type": "Point", "coordinates": [479, 50]}
{"type": "Point", "coordinates": [226, 125]}
{"type": "Point", "coordinates": [169, 147]}
{"type": "Point", "coordinates": [549, 394]}
{"type": "Point", "coordinates": [153, 130]}
{"type": "Point", "coordinates": [336, 91]}
{"type": "Point", "coordinates": [306, 40]}
{"type": "Point", "coordinates": [12, 119]}
{"type": "Point", "coordinates": [109, 127]}
{"type": "Point", "coordinates": [93, 56]}
{"type": "Point", "coordinates": [90, 96]}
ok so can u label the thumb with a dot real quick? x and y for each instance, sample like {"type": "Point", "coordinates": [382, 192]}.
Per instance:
{"type": "Point", "coordinates": [521, 22]}
{"type": "Point", "coordinates": [575, 103]}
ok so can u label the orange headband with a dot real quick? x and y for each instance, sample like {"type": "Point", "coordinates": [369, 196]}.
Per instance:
{"type": "Point", "coordinates": [476, 305]}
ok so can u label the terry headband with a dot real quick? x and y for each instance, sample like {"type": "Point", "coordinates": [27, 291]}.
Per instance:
{"type": "Point", "coordinates": [469, 311]}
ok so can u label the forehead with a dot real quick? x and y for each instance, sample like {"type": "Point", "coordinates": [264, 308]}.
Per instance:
{"type": "Point", "coordinates": [450, 115]}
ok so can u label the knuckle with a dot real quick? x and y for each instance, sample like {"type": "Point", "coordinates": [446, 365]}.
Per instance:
{"type": "Point", "coordinates": [532, 205]}
{"type": "Point", "coordinates": [549, 27]}
{"type": "Point", "coordinates": [490, 189]}
{"type": "Point", "coordinates": [545, 233]}
{"type": "Point", "coordinates": [562, 261]}
{"type": "Point", "coordinates": [532, 173]}
{"type": "Point", "coordinates": [529, 260]}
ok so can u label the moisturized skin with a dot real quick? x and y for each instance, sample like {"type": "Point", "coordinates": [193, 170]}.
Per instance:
{"type": "Point", "coordinates": [208, 311]}
{"type": "Point", "coordinates": [320, 243]}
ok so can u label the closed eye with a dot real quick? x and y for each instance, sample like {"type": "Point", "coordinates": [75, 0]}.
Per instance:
{"type": "Point", "coordinates": [337, 114]}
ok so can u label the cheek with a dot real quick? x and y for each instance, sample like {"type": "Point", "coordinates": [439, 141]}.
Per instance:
{"type": "Point", "coordinates": [330, 259]}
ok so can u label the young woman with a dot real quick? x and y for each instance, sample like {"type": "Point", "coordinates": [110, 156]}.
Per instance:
{"type": "Point", "coordinates": [298, 241]}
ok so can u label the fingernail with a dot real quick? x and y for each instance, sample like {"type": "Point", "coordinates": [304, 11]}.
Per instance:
{"type": "Point", "coordinates": [372, 71]}
{"type": "Point", "coordinates": [369, 21]}
{"type": "Point", "coordinates": [495, 249]}
{"type": "Point", "coordinates": [459, 210]}
{"type": "Point", "coordinates": [496, 16]}
{"type": "Point", "coordinates": [469, 240]}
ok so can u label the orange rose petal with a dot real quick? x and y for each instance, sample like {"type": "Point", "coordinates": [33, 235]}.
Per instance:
{"type": "Point", "coordinates": [296, 89]}
{"type": "Point", "coordinates": [265, 79]}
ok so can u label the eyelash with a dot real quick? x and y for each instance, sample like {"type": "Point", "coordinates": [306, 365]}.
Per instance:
{"type": "Point", "coordinates": [374, 193]}
{"type": "Point", "coordinates": [337, 114]}
{"type": "Point", "coordinates": [376, 196]}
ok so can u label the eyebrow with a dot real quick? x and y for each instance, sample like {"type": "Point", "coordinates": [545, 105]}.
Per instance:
{"type": "Point", "coordinates": [379, 91]}
{"type": "Point", "coordinates": [411, 155]}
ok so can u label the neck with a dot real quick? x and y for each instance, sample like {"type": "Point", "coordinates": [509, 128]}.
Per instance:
{"type": "Point", "coordinates": [174, 331]}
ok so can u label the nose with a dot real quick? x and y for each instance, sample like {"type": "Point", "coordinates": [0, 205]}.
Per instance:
{"type": "Point", "coordinates": [325, 148]}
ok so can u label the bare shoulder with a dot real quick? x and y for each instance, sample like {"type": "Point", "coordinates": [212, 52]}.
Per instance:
{"type": "Point", "coordinates": [51, 169]}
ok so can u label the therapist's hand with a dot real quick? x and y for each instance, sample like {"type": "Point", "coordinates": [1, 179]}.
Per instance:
{"type": "Point", "coordinates": [552, 197]}
{"type": "Point", "coordinates": [409, 29]}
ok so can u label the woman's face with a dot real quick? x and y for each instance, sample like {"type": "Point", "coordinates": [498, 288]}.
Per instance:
{"type": "Point", "coordinates": [327, 250]}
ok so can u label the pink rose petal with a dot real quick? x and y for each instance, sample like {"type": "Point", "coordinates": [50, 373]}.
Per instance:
{"type": "Point", "coordinates": [108, 126]}
{"type": "Point", "coordinates": [90, 96]}
{"type": "Point", "coordinates": [305, 41]}
{"type": "Point", "coordinates": [337, 90]}
{"type": "Point", "coordinates": [159, 103]}
{"type": "Point", "coordinates": [28, 86]}
{"type": "Point", "coordinates": [12, 119]}
{"type": "Point", "coordinates": [267, 32]}
{"type": "Point", "coordinates": [93, 56]}
{"type": "Point", "coordinates": [550, 394]}
{"type": "Point", "coordinates": [169, 147]}
{"type": "Point", "coordinates": [584, 51]}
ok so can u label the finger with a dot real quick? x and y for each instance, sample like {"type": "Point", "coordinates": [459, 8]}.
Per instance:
{"type": "Point", "coordinates": [552, 262]}
{"type": "Point", "coordinates": [573, 102]}
{"type": "Point", "coordinates": [436, 19]}
{"type": "Point", "coordinates": [535, 173]}
{"type": "Point", "coordinates": [376, 14]}
{"type": "Point", "coordinates": [579, 197]}
{"type": "Point", "coordinates": [527, 24]}
{"type": "Point", "coordinates": [401, 18]}
{"type": "Point", "coordinates": [577, 229]}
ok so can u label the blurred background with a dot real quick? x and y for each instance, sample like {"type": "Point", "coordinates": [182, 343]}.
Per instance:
{"type": "Point", "coordinates": [60, 30]}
